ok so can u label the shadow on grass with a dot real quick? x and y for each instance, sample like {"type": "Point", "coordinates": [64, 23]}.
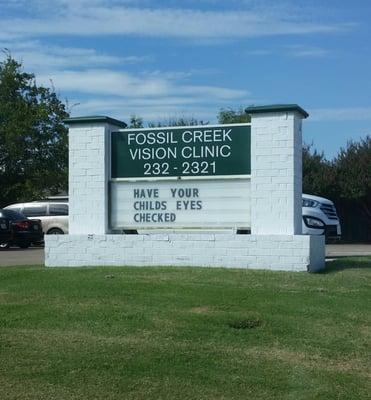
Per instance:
{"type": "Point", "coordinates": [342, 264]}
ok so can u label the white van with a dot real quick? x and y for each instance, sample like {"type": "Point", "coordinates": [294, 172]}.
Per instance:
{"type": "Point", "coordinates": [320, 217]}
{"type": "Point", "coordinates": [53, 214]}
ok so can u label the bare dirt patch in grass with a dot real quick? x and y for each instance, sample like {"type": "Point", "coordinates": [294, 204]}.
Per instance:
{"type": "Point", "coordinates": [201, 310]}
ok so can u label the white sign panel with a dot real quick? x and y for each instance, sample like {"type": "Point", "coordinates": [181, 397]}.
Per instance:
{"type": "Point", "coordinates": [180, 204]}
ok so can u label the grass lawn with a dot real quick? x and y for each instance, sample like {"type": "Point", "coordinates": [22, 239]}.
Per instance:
{"type": "Point", "coordinates": [185, 333]}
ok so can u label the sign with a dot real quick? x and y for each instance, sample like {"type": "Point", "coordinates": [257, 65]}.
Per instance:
{"type": "Point", "coordinates": [195, 151]}
{"type": "Point", "coordinates": [206, 203]}
{"type": "Point", "coordinates": [146, 162]}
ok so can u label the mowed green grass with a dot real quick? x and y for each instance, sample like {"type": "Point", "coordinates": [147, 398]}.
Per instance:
{"type": "Point", "coordinates": [185, 333]}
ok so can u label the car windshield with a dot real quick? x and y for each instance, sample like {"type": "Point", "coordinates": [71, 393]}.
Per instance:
{"type": "Point", "coordinates": [12, 215]}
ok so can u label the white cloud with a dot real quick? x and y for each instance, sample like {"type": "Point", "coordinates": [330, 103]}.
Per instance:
{"type": "Point", "coordinates": [211, 92]}
{"type": "Point", "coordinates": [146, 109]}
{"type": "Point", "coordinates": [106, 82]}
{"type": "Point", "coordinates": [82, 74]}
{"type": "Point", "coordinates": [306, 51]}
{"type": "Point", "coordinates": [296, 50]}
{"type": "Point", "coordinates": [94, 18]}
{"type": "Point", "coordinates": [37, 56]}
{"type": "Point", "coordinates": [259, 52]}
{"type": "Point", "coordinates": [341, 114]}
{"type": "Point", "coordinates": [123, 84]}
{"type": "Point", "coordinates": [153, 97]}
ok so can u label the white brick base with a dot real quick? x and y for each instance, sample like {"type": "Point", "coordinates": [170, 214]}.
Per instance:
{"type": "Point", "coordinates": [274, 252]}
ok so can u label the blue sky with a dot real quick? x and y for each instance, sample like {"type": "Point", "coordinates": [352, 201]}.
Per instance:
{"type": "Point", "coordinates": [161, 59]}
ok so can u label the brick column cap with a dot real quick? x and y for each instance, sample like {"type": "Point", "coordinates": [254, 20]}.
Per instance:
{"type": "Point", "coordinates": [273, 108]}
{"type": "Point", "coordinates": [94, 119]}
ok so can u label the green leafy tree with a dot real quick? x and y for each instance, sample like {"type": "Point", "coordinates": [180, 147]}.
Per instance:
{"type": "Point", "coordinates": [231, 116]}
{"type": "Point", "coordinates": [33, 138]}
{"type": "Point", "coordinates": [353, 167]}
{"type": "Point", "coordinates": [319, 175]}
{"type": "Point", "coordinates": [174, 121]}
{"type": "Point", "coordinates": [136, 122]}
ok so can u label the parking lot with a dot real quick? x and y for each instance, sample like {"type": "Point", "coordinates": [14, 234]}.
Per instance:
{"type": "Point", "coordinates": [35, 255]}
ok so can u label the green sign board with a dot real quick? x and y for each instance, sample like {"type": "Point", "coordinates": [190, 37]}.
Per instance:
{"type": "Point", "coordinates": [181, 151]}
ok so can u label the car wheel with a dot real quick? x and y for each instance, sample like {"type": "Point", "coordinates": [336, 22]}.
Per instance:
{"type": "Point", "coordinates": [24, 245]}
{"type": "Point", "coordinates": [4, 246]}
{"type": "Point", "coordinates": [55, 231]}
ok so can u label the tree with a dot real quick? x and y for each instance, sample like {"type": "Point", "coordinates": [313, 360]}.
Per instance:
{"type": "Point", "coordinates": [319, 176]}
{"type": "Point", "coordinates": [231, 116]}
{"type": "Point", "coordinates": [174, 121]}
{"type": "Point", "coordinates": [347, 181]}
{"type": "Point", "coordinates": [33, 138]}
{"type": "Point", "coordinates": [353, 167]}
{"type": "Point", "coordinates": [136, 122]}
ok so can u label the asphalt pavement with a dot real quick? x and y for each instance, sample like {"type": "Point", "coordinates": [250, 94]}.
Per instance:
{"type": "Point", "coordinates": [348, 250]}
{"type": "Point", "coordinates": [35, 255]}
{"type": "Point", "coordinates": [16, 256]}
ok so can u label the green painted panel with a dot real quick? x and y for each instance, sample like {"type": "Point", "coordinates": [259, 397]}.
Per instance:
{"type": "Point", "coordinates": [181, 151]}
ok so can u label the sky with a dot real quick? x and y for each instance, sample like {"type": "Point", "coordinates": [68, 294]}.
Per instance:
{"type": "Point", "coordinates": [192, 58]}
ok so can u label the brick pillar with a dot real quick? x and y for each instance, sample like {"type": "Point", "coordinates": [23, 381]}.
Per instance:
{"type": "Point", "coordinates": [89, 170]}
{"type": "Point", "coordinates": [276, 169]}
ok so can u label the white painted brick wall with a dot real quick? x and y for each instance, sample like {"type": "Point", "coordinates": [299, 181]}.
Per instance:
{"type": "Point", "coordinates": [276, 172]}
{"type": "Point", "coordinates": [272, 252]}
{"type": "Point", "coordinates": [88, 178]}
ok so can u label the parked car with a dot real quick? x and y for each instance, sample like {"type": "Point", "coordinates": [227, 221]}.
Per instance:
{"type": "Point", "coordinates": [23, 231]}
{"type": "Point", "coordinates": [320, 217]}
{"type": "Point", "coordinates": [5, 232]}
{"type": "Point", "coordinates": [53, 214]}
